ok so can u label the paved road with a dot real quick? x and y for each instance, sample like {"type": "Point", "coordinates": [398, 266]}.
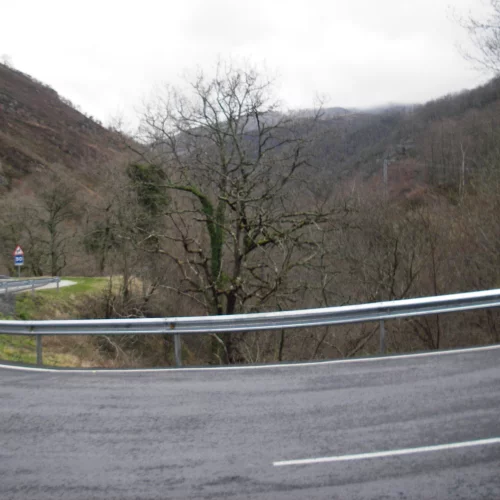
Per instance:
{"type": "Point", "coordinates": [62, 284]}
{"type": "Point", "coordinates": [17, 289]}
{"type": "Point", "coordinates": [216, 434]}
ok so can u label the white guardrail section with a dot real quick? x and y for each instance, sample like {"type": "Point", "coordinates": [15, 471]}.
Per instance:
{"type": "Point", "coordinates": [20, 285]}
{"type": "Point", "coordinates": [378, 311]}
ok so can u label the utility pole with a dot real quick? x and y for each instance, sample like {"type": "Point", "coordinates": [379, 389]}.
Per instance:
{"type": "Point", "coordinates": [461, 188]}
{"type": "Point", "coordinates": [386, 187]}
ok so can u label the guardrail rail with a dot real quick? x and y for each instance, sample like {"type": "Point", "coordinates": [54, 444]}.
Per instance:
{"type": "Point", "coordinates": [20, 285]}
{"type": "Point", "coordinates": [177, 326]}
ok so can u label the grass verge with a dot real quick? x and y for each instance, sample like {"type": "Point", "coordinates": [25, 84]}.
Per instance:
{"type": "Point", "coordinates": [51, 304]}
{"type": "Point", "coordinates": [57, 304]}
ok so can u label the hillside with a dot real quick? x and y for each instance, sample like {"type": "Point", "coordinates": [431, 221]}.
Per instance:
{"type": "Point", "coordinates": [442, 144]}
{"type": "Point", "coordinates": [40, 129]}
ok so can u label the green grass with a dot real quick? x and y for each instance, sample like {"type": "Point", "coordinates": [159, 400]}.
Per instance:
{"type": "Point", "coordinates": [17, 348]}
{"type": "Point", "coordinates": [54, 304]}
{"type": "Point", "coordinates": [47, 304]}
{"type": "Point", "coordinates": [81, 286]}
{"type": "Point", "coordinates": [22, 349]}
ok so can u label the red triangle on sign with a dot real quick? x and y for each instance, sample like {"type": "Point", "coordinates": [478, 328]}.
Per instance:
{"type": "Point", "coordinates": [18, 251]}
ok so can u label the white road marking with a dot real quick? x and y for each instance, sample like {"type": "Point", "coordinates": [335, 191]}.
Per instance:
{"type": "Point", "coordinates": [396, 357]}
{"type": "Point", "coordinates": [390, 453]}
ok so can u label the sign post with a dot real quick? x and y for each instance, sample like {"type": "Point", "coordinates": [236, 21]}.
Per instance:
{"type": "Point", "coordinates": [18, 259]}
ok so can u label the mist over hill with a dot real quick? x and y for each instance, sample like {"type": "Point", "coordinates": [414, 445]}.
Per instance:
{"type": "Point", "coordinates": [41, 130]}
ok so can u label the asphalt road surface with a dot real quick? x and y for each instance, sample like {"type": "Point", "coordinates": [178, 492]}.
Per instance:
{"type": "Point", "coordinates": [402, 428]}
{"type": "Point", "coordinates": [17, 289]}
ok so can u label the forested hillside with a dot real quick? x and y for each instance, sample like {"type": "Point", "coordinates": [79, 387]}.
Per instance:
{"type": "Point", "coordinates": [40, 130]}
{"type": "Point", "coordinates": [233, 205]}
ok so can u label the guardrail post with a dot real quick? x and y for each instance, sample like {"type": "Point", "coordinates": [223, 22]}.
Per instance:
{"type": "Point", "coordinates": [39, 358]}
{"type": "Point", "coordinates": [33, 288]}
{"type": "Point", "coordinates": [178, 350]}
{"type": "Point", "coordinates": [382, 337]}
{"type": "Point", "coordinates": [58, 280]}
{"type": "Point", "coordinates": [6, 289]}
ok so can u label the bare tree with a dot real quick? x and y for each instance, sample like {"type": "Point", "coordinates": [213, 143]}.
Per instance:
{"type": "Point", "coordinates": [44, 225]}
{"type": "Point", "coordinates": [241, 217]}
{"type": "Point", "coordinates": [130, 205]}
{"type": "Point", "coordinates": [56, 208]}
{"type": "Point", "coordinates": [485, 36]}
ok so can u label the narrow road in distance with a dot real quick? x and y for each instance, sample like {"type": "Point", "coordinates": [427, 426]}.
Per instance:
{"type": "Point", "coordinates": [27, 288]}
{"type": "Point", "coordinates": [414, 427]}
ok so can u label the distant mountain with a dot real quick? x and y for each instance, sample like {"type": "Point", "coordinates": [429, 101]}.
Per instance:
{"type": "Point", "coordinates": [326, 113]}
{"type": "Point", "coordinates": [421, 145]}
{"type": "Point", "coordinates": [388, 108]}
{"type": "Point", "coordinates": [427, 146]}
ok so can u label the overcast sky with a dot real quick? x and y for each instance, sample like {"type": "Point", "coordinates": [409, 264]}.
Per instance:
{"type": "Point", "coordinates": [107, 55]}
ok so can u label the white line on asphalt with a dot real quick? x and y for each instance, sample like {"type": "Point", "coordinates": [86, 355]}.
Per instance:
{"type": "Point", "coordinates": [390, 453]}
{"type": "Point", "coordinates": [396, 357]}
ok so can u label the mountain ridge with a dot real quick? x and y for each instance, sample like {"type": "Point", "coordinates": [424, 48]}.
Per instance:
{"type": "Point", "coordinates": [40, 131]}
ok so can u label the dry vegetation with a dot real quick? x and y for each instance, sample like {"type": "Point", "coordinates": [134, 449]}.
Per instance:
{"type": "Point", "coordinates": [234, 206]}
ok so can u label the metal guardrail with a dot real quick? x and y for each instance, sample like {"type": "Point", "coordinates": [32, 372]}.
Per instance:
{"type": "Point", "coordinates": [20, 285]}
{"type": "Point", "coordinates": [378, 311]}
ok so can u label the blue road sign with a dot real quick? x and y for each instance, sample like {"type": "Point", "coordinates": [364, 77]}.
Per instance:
{"type": "Point", "coordinates": [19, 260]}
